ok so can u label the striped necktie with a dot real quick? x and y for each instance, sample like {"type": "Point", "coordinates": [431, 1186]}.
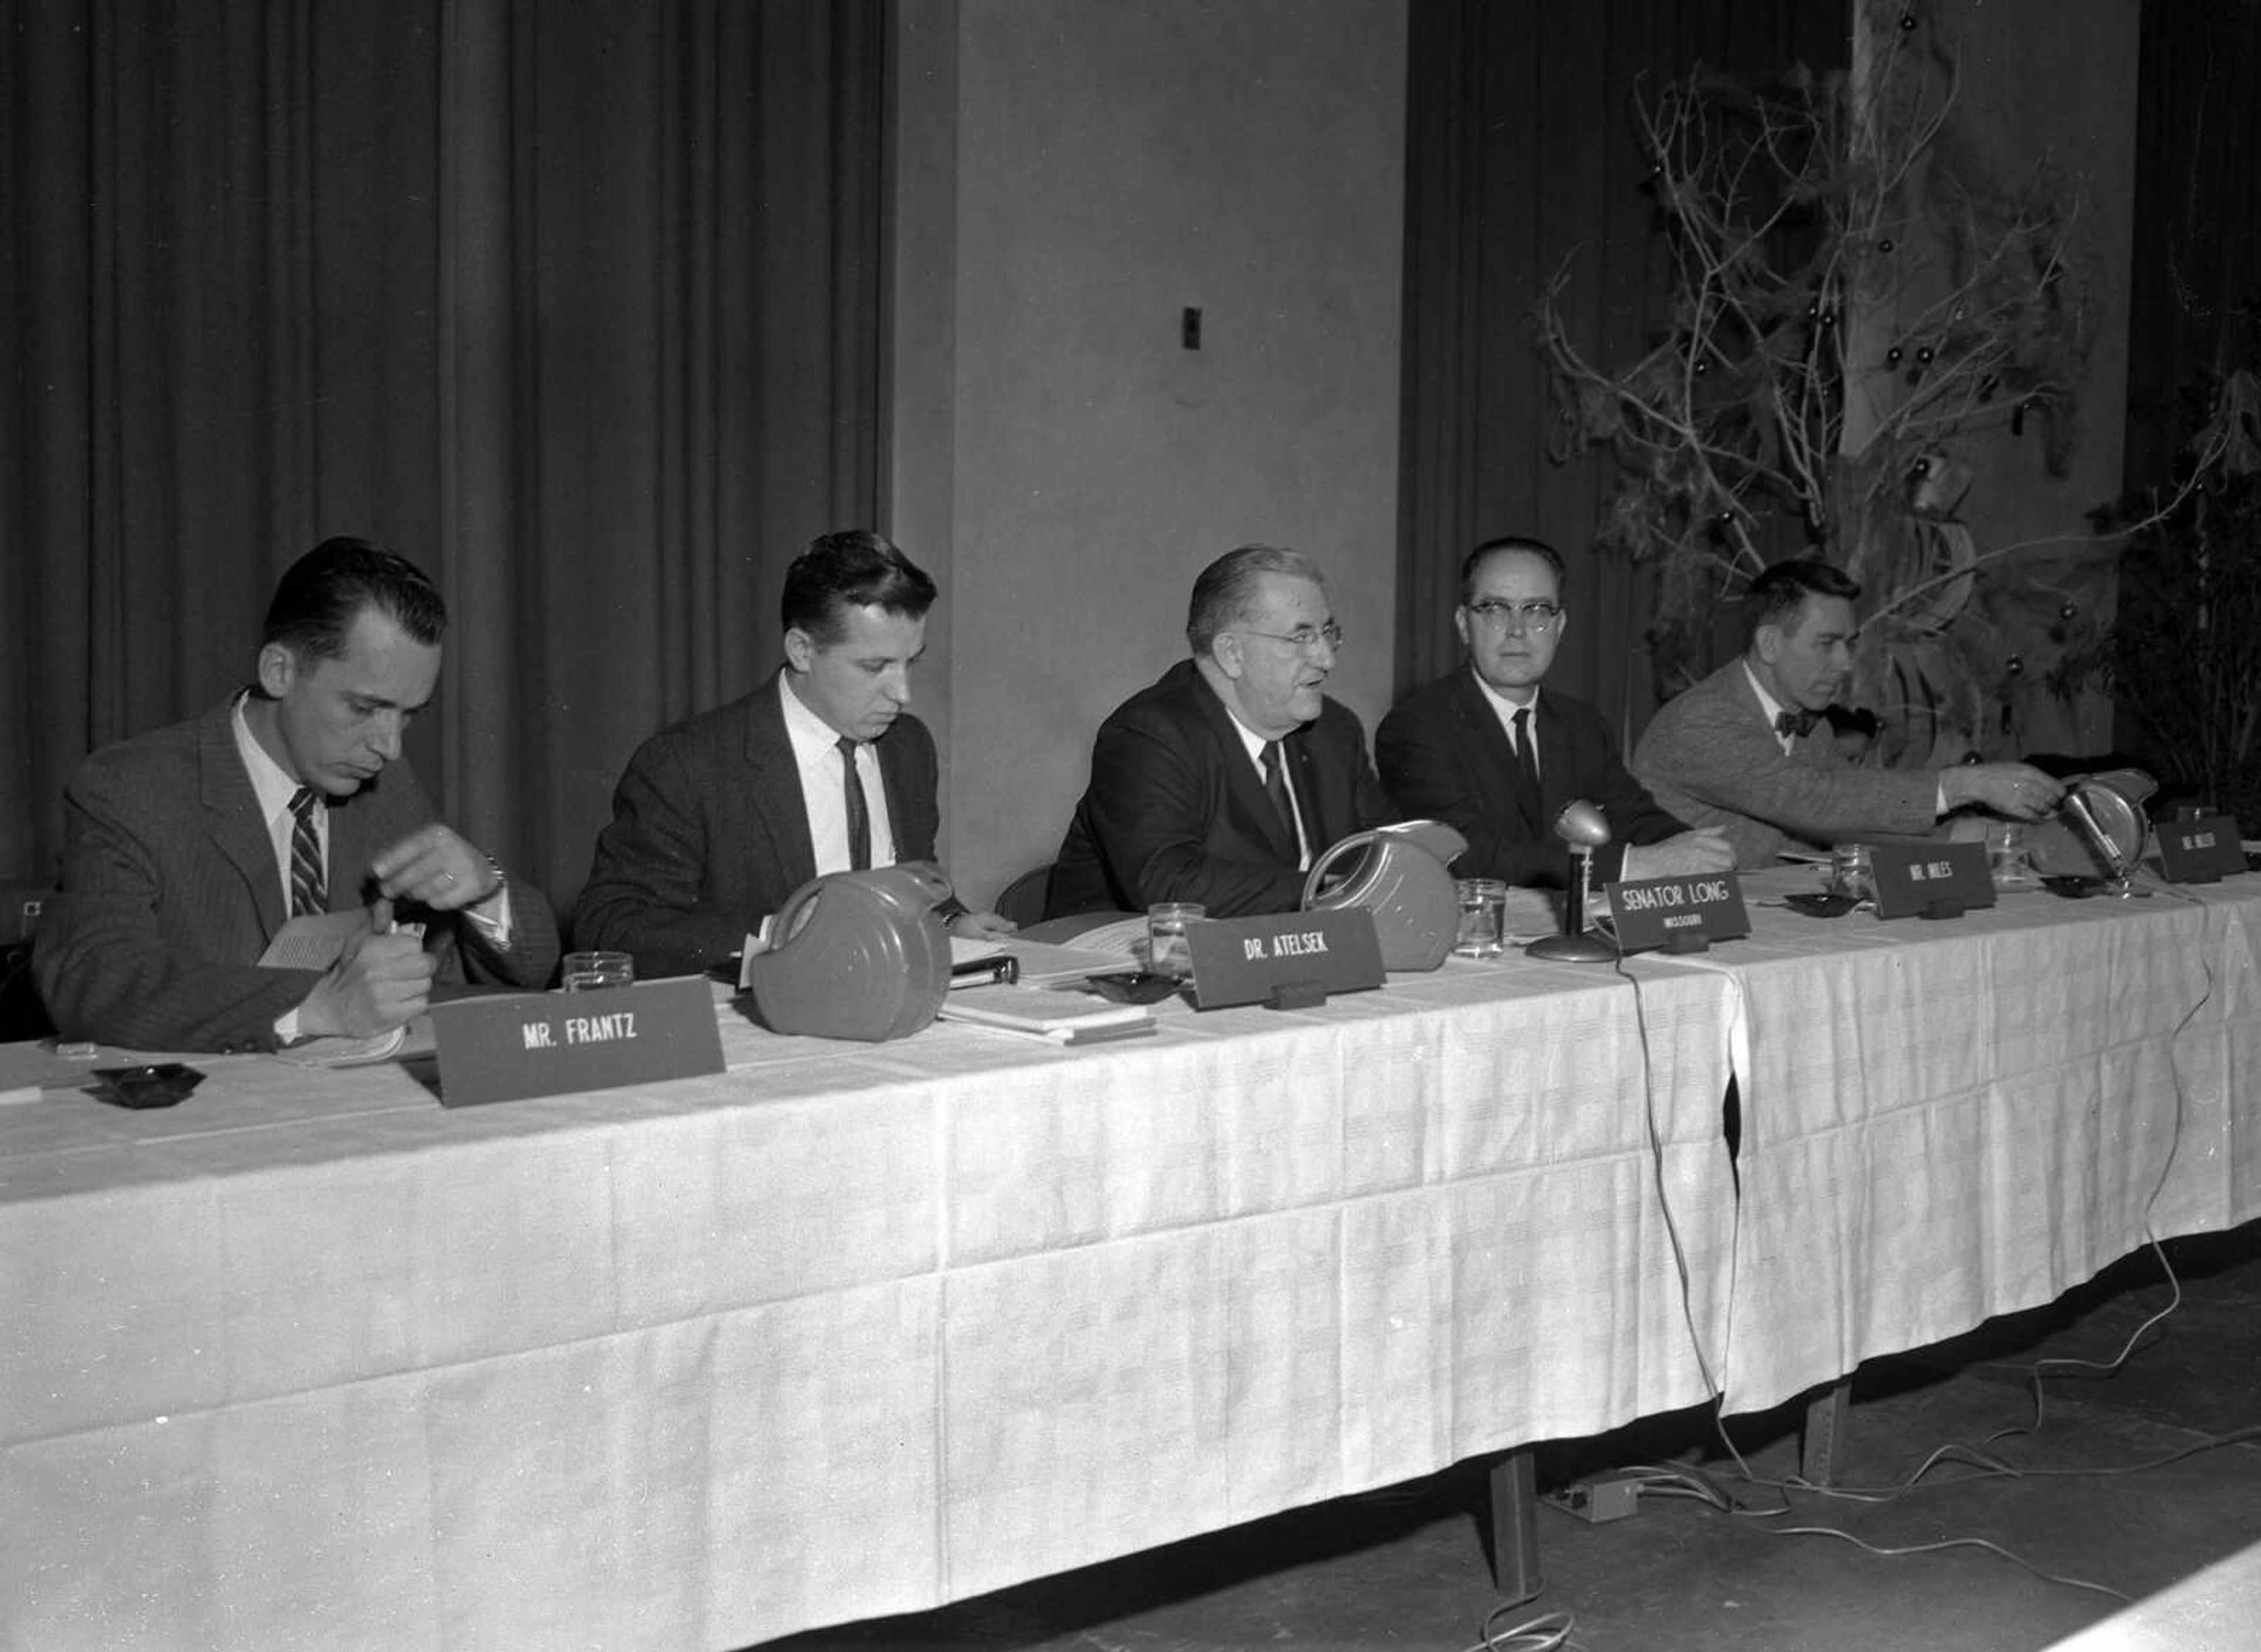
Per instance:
{"type": "Point", "coordinates": [308, 884]}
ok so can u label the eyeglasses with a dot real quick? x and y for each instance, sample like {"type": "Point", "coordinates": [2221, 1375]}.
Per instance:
{"type": "Point", "coordinates": [1535, 616]}
{"type": "Point", "coordinates": [1302, 638]}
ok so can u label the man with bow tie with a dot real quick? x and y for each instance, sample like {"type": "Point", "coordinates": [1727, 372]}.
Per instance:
{"type": "Point", "coordinates": [1749, 750]}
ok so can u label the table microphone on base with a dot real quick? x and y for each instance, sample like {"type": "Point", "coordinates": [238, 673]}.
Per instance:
{"type": "Point", "coordinates": [1580, 825]}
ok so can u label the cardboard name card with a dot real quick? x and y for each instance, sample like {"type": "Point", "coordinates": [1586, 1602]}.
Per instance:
{"type": "Point", "coordinates": [2202, 850]}
{"type": "Point", "coordinates": [553, 1044]}
{"type": "Point", "coordinates": [1930, 880]}
{"type": "Point", "coordinates": [1287, 959]}
{"type": "Point", "coordinates": [1683, 913]}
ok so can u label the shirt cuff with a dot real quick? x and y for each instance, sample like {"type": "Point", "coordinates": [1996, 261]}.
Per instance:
{"type": "Point", "coordinates": [495, 923]}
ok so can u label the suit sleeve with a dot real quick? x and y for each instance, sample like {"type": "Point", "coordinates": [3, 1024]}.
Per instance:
{"type": "Point", "coordinates": [1604, 780]}
{"type": "Point", "coordinates": [111, 955]}
{"type": "Point", "coordinates": [911, 803]}
{"type": "Point", "coordinates": [643, 891]}
{"type": "Point", "coordinates": [1158, 815]}
{"type": "Point", "coordinates": [1713, 751]}
{"type": "Point", "coordinates": [1425, 766]}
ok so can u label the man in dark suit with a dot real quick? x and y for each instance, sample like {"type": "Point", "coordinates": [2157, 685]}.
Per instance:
{"type": "Point", "coordinates": [187, 849]}
{"type": "Point", "coordinates": [1749, 750]}
{"type": "Point", "coordinates": [721, 817]}
{"type": "Point", "coordinates": [1221, 783]}
{"type": "Point", "coordinates": [1484, 750]}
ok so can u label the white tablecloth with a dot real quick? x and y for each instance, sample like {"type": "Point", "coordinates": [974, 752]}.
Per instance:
{"type": "Point", "coordinates": [312, 1362]}
{"type": "Point", "coordinates": [1943, 1122]}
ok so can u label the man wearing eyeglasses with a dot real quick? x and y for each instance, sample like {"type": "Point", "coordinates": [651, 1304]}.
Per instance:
{"type": "Point", "coordinates": [1484, 750]}
{"type": "Point", "coordinates": [1223, 782]}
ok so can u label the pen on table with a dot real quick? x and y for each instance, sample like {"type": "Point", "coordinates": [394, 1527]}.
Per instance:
{"type": "Point", "coordinates": [1004, 968]}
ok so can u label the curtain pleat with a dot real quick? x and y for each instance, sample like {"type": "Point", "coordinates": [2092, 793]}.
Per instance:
{"type": "Point", "coordinates": [574, 305]}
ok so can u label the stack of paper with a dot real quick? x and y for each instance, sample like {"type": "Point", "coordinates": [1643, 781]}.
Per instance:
{"type": "Point", "coordinates": [1058, 1017]}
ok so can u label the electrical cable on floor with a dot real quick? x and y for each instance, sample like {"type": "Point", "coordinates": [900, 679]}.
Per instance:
{"type": "Point", "coordinates": [1544, 1632]}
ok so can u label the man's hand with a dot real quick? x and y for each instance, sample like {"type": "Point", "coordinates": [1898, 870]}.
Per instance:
{"type": "Point", "coordinates": [1691, 854]}
{"type": "Point", "coordinates": [379, 981]}
{"type": "Point", "coordinates": [981, 926]}
{"type": "Point", "coordinates": [435, 868]}
{"type": "Point", "coordinates": [2017, 790]}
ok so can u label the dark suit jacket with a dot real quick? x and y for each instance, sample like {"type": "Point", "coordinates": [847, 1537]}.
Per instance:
{"type": "Point", "coordinates": [710, 833]}
{"type": "Point", "coordinates": [1711, 758]}
{"type": "Point", "coordinates": [1444, 756]}
{"type": "Point", "coordinates": [170, 892]}
{"type": "Point", "coordinates": [1175, 811]}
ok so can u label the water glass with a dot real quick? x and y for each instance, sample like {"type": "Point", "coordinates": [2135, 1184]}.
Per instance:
{"type": "Point", "coordinates": [2008, 858]}
{"type": "Point", "coordinates": [1483, 917]}
{"type": "Point", "coordinates": [594, 972]}
{"type": "Point", "coordinates": [1850, 873]}
{"type": "Point", "coordinates": [1165, 937]}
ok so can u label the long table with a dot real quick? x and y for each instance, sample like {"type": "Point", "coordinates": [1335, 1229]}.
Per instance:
{"type": "Point", "coordinates": [311, 1360]}
{"type": "Point", "coordinates": [850, 1330]}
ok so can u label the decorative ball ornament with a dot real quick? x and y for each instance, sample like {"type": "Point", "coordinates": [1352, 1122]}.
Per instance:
{"type": "Point", "coordinates": [1883, 246]}
{"type": "Point", "coordinates": [2071, 610]}
{"type": "Point", "coordinates": [2015, 664]}
{"type": "Point", "coordinates": [1908, 22]}
{"type": "Point", "coordinates": [1921, 467]}
{"type": "Point", "coordinates": [1893, 357]}
{"type": "Point", "coordinates": [1924, 355]}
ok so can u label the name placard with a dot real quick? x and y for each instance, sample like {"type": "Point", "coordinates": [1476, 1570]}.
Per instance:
{"type": "Point", "coordinates": [1936, 879]}
{"type": "Point", "coordinates": [551, 1043]}
{"type": "Point", "coordinates": [2202, 850]}
{"type": "Point", "coordinates": [1287, 959]}
{"type": "Point", "coordinates": [1678, 912]}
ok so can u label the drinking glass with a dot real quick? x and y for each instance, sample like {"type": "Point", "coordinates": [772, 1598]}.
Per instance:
{"type": "Point", "coordinates": [593, 971]}
{"type": "Point", "coordinates": [1483, 915]}
{"type": "Point", "coordinates": [1165, 937]}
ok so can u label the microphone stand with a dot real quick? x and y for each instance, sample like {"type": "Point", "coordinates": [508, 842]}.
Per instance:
{"type": "Point", "coordinates": [1573, 945]}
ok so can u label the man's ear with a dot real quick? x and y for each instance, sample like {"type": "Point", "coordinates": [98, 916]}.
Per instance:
{"type": "Point", "coordinates": [1766, 642]}
{"type": "Point", "coordinates": [1225, 650]}
{"type": "Point", "coordinates": [278, 669]}
{"type": "Point", "coordinates": [1460, 623]}
{"type": "Point", "coordinates": [799, 648]}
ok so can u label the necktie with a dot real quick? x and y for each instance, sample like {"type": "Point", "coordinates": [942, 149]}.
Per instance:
{"type": "Point", "coordinates": [1275, 785]}
{"type": "Point", "coordinates": [308, 892]}
{"type": "Point", "coordinates": [1797, 724]}
{"type": "Point", "coordinates": [1526, 761]}
{"type": "Point", "coordinates": [859, 817]}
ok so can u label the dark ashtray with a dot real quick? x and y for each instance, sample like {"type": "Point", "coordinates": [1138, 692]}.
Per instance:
{"type": "Point", "coordinates": [1138, 986]}
{"type": "Point", "coordinates": [1822, 905]}
{"type": "Point", "coordinates": [159, 1085]}
{"type": "Point", "coordinates": [2072, 886]}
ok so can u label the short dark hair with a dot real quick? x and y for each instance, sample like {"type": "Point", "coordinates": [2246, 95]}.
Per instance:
{"type": "Point", "coordinates": [1226, 591]}
{"type": "Point", "coordinates": [1778, 593]}
{"type": "Point", "coordinates": [854, 568]}
{"type": "Point", "coordinates": [1490, 548]}
{"type": "Point", "coordinates": [321, 594]}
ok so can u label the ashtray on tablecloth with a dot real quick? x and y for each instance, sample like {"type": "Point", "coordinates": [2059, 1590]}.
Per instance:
{"type": "Point", "coordinates": [2071, 886]}
{"type": "Point", "coordinates": [159, 1084]}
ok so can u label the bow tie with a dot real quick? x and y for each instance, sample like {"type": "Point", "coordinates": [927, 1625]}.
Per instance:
{"type": "Point", "coordinates": [1797, 724]}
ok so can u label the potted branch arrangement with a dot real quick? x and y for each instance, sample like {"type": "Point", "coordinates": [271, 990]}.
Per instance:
{"type": "Point", "coordinates": [1854, 301]}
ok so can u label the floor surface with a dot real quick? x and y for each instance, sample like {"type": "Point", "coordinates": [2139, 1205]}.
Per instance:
{"type": "Point", "coordinates": [1407, 1568]}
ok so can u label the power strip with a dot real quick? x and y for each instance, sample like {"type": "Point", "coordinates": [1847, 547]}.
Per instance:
{"type": "Point", "coordinates": [1605, 1497]}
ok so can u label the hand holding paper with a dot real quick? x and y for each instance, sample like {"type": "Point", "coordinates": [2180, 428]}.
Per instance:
{"type": "Point", "coordinates": [382, 978]}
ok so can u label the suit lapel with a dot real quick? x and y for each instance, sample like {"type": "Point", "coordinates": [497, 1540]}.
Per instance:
{"type": "Point", "coordinates": [1496, 771]}
{"type": "Point", "coordinates": [1243, 785]}
{"type": "Point", "coordinates": [231, 817]}
{"type": "Point", "coordinates": [780, 812]}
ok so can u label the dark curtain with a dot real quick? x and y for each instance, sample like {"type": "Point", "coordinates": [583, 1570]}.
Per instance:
{"type": "Point", "coordinates": [1521, 152]}
{"type": "Point", "coordinates": [2194, 284]}
{"type": "Point", "coordinates": [576, 306]}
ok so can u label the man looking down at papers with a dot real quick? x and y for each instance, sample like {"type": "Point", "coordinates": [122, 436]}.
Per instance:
{"type": "Point", "coordinates": [1748, 750]}
{"type": "Point", "coordinates": [186, 850]}
{"type": "Point", "coordinates": [1225, 779]}
{"type": "Point", "coordinates": [721, 817]}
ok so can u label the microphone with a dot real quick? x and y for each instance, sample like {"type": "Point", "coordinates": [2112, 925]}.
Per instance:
{"type": "Point", "coordinates": [1585, 829]}
{"type": "Point", "coordinates": [2107, 849]}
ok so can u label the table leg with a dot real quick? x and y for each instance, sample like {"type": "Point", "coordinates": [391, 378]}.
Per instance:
{"type": "Point", "coordinates": [1515, 1525]}
{"type": "Point", "coordinates": [1824, 1420]}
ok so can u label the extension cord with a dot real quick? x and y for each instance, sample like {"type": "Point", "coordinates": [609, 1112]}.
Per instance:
{"type": "Point", "coordinates": [1605, 1497]}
